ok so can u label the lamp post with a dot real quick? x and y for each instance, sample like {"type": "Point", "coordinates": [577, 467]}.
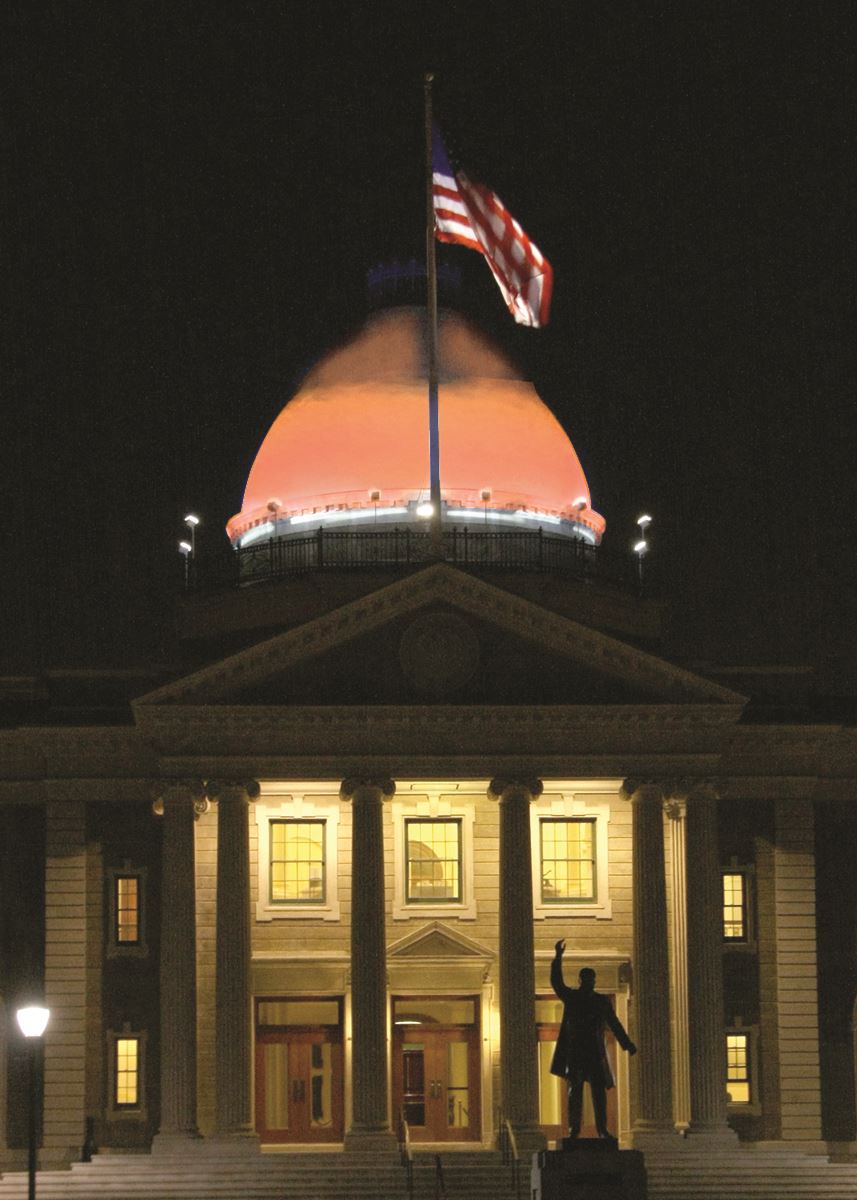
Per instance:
{"type": "Point", "coordinates": [32, 1021]}
{"type": "Point", "coordinates": [192, 521]}
{"type": "Point", "coordinates": [375, 496]}
{"type": "Point", "coordinates": [641, 547]}
{"type": "Point", "coordinates": [186, 549]}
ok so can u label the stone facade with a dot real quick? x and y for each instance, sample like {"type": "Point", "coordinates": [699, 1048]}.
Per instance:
{"type": "Point", "coordinates": [675, 784]}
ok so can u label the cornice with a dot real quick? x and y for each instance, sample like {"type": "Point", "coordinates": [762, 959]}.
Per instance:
{"type": "Point", "coordinates": [46, 752]}
{"type": "Point", "coordinates": [440, 582]}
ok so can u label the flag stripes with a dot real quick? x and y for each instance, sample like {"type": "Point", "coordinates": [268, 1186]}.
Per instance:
{"type": "Point", "coordinates": [470, 214]}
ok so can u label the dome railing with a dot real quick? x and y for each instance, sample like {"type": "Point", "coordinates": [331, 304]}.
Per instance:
{"type": "Point", "coordinates": [398, 546]}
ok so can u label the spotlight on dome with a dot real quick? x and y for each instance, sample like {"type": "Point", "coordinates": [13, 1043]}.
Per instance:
{"type": "Point", "coordinates": [425, 510]}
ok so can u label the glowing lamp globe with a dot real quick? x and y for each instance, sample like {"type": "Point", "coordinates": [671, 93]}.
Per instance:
{"type": "Point", "coordinates": [353, 441]}
{"type": "Point", "coordinates": [33, 1020]}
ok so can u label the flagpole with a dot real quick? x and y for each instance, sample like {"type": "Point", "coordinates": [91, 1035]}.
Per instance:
{"type": "Point", "coordinates": [431, 334]}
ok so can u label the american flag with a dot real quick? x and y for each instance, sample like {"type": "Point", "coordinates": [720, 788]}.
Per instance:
{"type": "Point", "coordinates": [470, 214]}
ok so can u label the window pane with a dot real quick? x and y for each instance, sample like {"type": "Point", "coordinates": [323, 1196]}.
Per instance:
{"type": "Point", "coordinates": [297, 862]}
{"type": "Point", "coordinates": [737, 1068]}
{"type": "Point", "coordinates": [127, 906]}
{"type": "Point", "coordinates": [734, 907]}
{"type": "Point", "coordinates": [567, 859]}
{"type": "Point", "coordinates": [127, 1072]}
{"type": "Point", "coordinates": [433, 854]}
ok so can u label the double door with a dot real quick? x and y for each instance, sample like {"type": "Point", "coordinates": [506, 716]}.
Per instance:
{"type": "Point", "coordinates": [299, 1086]}
{"type": "Point", "coordinates": [436, 1082]}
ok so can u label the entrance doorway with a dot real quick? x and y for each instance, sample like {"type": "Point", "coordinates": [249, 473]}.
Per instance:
{"type": "Point", "coordinates": [299, 1071]}
{"type": "Point", "coordinates": [553, 1091]}
{"type": "Point", "coordinates": [436, 1067]}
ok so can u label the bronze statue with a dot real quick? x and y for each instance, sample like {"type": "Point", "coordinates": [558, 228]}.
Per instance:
{"type": "Point", "coordinates": [580, 1055]}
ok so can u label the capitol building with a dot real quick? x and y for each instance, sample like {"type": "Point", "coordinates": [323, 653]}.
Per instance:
{"type": "Point", "coordinates": [297, 899]}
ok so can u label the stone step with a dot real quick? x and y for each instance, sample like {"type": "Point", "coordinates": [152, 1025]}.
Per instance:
{"type": "Point", "coordinates": [687, 1174]}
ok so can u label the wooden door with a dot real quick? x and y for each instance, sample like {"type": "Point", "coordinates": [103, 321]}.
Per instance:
{"type": "Point", "coordinates": [299, 1086]}
{"type": "Point", "coordinates": [436, 1080]}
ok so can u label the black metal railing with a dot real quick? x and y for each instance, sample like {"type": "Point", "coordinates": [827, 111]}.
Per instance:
{"type": "Point", "coordinates": [352, 549]}
{"type": "Point", "coordinates": [509, 1151]}
{"type": "Point", "coordinates": [406, 1154]}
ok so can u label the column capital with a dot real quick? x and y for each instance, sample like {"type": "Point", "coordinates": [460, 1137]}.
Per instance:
{"type": "Point", "coordinates": [676, 808]}
{"type": "Point", "coordinates": [352, 785]}
{"type": "Point", "coordinates": [191, 791]}
{"type": "Point", "coordinates": [641, 791]}
{"type": "Point", "coordinates": [503, 788]}
{"type": "Point", "coordinates": [232, 789]}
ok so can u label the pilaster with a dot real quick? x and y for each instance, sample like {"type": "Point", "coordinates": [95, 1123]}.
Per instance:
{"type": "Point", "coordinates": [518, 1050]}
{"type": "Point", "coordinates": [676, 811]}
{"type": "Point", "coordinates": [65, 982]}
{"type": "Point", "coordinates": [797, 972]}
{"type": "Point", "coordinates": [233, 1066]}
{"type": "Point", "coordinates": [3, 1081]}
{"type": "Point", "coordinates": [370, 1121]}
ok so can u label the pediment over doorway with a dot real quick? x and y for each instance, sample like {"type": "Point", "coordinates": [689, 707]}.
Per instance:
{"type": "Point", "coordinates": [438, 941]}
{"type": "Point", "coordinates": [437, 958]}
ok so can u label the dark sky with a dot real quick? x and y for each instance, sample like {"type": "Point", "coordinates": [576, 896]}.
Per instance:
{"type": "Point", "coordinates": [195, 192]}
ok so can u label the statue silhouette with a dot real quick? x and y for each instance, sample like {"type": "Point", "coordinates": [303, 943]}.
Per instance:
{"type": "Point", "coordinates": [580, 1055]}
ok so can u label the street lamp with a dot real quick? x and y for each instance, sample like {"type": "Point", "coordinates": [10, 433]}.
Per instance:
{"type": "Point", "coordinates": [579, 503]}
{"type": "Point", "coordinates": [192, 521]}
{"type": "Point", "coordinates": [375, 496]}
{"type": "Point", "coordinates": [486, 496]}
{"type": "Point", "coordinates": [32, 1021]}
{"type": "Point", "coordinates": [641, 547]}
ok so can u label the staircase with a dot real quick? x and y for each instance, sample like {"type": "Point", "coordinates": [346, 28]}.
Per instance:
{"type": "Point", "coordinates": [683, 1174]}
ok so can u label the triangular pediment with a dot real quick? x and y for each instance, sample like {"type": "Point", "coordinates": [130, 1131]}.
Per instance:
{"type": "Point", "coordinates": [441, 636]}
{"type": "Point", "coordinates": [438, 941]}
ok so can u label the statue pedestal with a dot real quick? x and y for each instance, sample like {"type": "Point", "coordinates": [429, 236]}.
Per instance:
{"type": "Point", "coordinates": [588, 1169]}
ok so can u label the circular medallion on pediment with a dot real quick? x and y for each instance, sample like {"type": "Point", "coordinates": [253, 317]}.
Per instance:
{"type": "Point", "coordinates": [439, 653]}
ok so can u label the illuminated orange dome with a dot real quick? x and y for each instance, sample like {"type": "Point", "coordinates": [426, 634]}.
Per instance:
{"type": "Point", "coordinates": [353, 441]}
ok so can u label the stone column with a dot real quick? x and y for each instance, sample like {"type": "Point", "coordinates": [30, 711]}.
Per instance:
{"type": "Point", "coordinates": [651, 977]}
{"type": "Point", "coordinates": [370, 1116]}
{"type": "Point", "coordinates": [518, 1045]}
{"type": "Point", "coordinates": [705, 970]}
{"type": "Point", "coordinates": [181, 802]}
{"type": "Point", "coordinates": [233, 1065]}
{"type": "Point", "coordinates": [676, 813]}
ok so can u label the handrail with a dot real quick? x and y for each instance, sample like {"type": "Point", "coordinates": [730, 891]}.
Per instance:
{"type": "Point", "coordinates": [390, 547]}
{"type": "Point", "coordinates": [439, 1183]}
{"type": "Point", "coordinates": [406, 1155]}
{"type": "Point", "coordinates": [509, 1150]}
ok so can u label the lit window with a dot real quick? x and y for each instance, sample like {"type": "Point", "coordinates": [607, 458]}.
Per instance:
{"type": "Point", "coordinates": [738, 1068]}
{"type": "Point", "coordinates": [297, 862]}
{"type": "Point", "coordinates": [734, 907]}
{"type": "Point", "coordinates": [567, 859]}
{"type": "Point", "coordinates": [433, 860]}
{"type": "Point", "coordinates": [127, 1077]}
{"type": "Point", "coordinates": [127, 909]}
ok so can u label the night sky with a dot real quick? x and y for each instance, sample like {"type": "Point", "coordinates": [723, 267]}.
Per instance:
{"type": "Point", "coordinates": [195, 192]}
